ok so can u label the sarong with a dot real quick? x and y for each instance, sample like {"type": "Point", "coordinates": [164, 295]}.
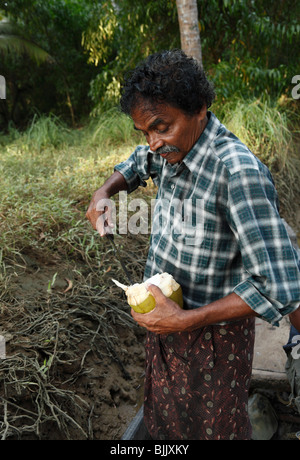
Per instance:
{"type": "Point", "coordinates": [197, 383]}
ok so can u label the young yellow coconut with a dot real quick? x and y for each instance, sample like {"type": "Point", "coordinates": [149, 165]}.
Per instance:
{"type": "Point", "coordinates": [142, 301]}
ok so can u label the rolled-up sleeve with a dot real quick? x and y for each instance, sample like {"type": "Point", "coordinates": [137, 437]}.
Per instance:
{"type": "Point", "coordinates": [139, 167]}
{"type": "Point", "coordinates": [271, 282]}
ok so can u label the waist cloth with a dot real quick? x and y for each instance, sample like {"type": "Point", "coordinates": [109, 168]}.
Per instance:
{"type": "Point", "coordinates": [196, 383]}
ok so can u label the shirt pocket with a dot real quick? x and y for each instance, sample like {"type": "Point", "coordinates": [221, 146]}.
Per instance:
{"type": "Point", "coordinates": [188, 222]}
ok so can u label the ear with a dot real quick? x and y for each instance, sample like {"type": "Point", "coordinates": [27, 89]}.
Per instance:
{"type": "Point", "coordinates": [202, 113]}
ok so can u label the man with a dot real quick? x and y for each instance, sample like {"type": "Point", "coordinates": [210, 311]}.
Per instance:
{"type": "Point", "coordinates": [217, 230]}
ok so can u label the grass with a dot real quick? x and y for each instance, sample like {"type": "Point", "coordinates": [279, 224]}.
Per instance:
{"type": "Point", "coordinates": [49, 173]}
{"type": "Point", "coordinates": [263, 127]}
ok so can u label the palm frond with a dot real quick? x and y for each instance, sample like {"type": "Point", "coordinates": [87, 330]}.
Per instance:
{"type": "Point", "coordinates": [11, 40]}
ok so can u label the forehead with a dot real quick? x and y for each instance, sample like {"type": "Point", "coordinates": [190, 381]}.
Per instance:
{"type": "Point", "coordinates": [150, 115]}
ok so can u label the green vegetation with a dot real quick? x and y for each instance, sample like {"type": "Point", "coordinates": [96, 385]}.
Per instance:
{"type": "Point", "coordinates": [49, 171]}
{"type": "Point", "coordinates": [247, 46]}
{"type": "Point", "coordinates": [60, 316]}
{"type": "Point", "coordinates": [48, 174]}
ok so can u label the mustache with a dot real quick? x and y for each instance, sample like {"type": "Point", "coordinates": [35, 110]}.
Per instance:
{"type": "Point", "coordinates": [166, 149]}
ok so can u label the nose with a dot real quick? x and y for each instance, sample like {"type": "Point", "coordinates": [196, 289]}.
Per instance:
{"type": "Point", "coordinates": [155, 141]}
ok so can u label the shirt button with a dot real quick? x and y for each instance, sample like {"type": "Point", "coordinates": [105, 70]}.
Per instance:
{"type": "Point", "coordinates": [172, 186]}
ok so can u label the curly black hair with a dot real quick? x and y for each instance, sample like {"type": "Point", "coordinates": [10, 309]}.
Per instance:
{"type": "Point", "coordinates": [168, 77]}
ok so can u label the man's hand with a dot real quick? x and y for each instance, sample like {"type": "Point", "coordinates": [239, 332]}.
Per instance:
{"type": "Point", "coordinates": [100, 212]}
{"type": "Point", "coordinates": [101, 209]}
{"type": "Point", "coordinates": [167, 316]}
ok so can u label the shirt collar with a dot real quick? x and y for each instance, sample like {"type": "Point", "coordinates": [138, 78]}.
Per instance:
{"type": "Point", "coordinates": [195, 156]}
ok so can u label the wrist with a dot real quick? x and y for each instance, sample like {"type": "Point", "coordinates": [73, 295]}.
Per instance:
{"type": "Point", "coordinates": [192, 319]}
{"type": "Point", "coordinates": [114, 184]}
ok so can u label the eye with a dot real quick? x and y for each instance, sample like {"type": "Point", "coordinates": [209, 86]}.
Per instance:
{"type": "Point", "coordinates": [162, 131]}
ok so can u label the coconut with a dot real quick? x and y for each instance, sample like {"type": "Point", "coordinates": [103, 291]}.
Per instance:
{"type": "Point", "coordinates": [142, 301]}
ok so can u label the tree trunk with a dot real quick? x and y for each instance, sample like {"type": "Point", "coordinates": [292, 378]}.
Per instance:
{"type": "Point", "coordinates": [189, 28]}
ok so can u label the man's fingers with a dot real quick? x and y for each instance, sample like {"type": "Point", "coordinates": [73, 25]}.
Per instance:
{"type": "Point", "coordinates": [104, 222]}
{"type": "Point", "coordinates": [156, 292]}
{"type": "Point", "coordinates": [103, 226]}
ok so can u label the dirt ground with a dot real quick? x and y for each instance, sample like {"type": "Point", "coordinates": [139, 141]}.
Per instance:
{"type": "Point", "coordinates": [74, 357]}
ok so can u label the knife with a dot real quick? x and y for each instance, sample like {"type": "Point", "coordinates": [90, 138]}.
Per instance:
{"type": "Point", "coordinates": [110, 236]}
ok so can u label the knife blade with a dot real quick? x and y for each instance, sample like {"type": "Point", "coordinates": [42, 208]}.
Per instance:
{"type": "Point", "coordinates": [110, 236]}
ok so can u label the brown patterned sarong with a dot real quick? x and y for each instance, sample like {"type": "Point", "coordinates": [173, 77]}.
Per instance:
{"type": "Point", "coordinates": [196, 383]}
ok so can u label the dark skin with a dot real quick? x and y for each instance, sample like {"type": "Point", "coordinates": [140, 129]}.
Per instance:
{"type": "Point", "coordinates": [295, 319]}
{"type": "Point", "coordinates": [165, 125]}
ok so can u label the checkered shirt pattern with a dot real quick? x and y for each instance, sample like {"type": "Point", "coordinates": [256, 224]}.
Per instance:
{"type": "Point", "coordinates": [216, 226]}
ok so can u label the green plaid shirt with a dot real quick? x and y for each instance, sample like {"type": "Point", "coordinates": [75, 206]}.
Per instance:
{"type": "Point", "coordinates": [216, 226]}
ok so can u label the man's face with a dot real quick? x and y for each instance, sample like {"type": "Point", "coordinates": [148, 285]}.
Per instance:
{"type": "Point", "coordinates": [169, 132]}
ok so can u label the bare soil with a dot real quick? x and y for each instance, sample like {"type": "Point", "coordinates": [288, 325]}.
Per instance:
{"type": "Point", "coordinates": [74, 357]}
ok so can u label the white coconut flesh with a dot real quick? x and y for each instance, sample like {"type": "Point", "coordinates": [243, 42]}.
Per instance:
{"type": "Point", "coordinates": [138, 293]}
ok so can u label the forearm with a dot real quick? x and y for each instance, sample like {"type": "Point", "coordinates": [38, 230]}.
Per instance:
{"type": "Point", "coordinates": [229, 308]}
{"type": "Point", "coordinates": [114, 184]}
{"type": "Point", "coordinates": [167, 317]}
{"type": "Point", "coordinates": [295, 319]}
